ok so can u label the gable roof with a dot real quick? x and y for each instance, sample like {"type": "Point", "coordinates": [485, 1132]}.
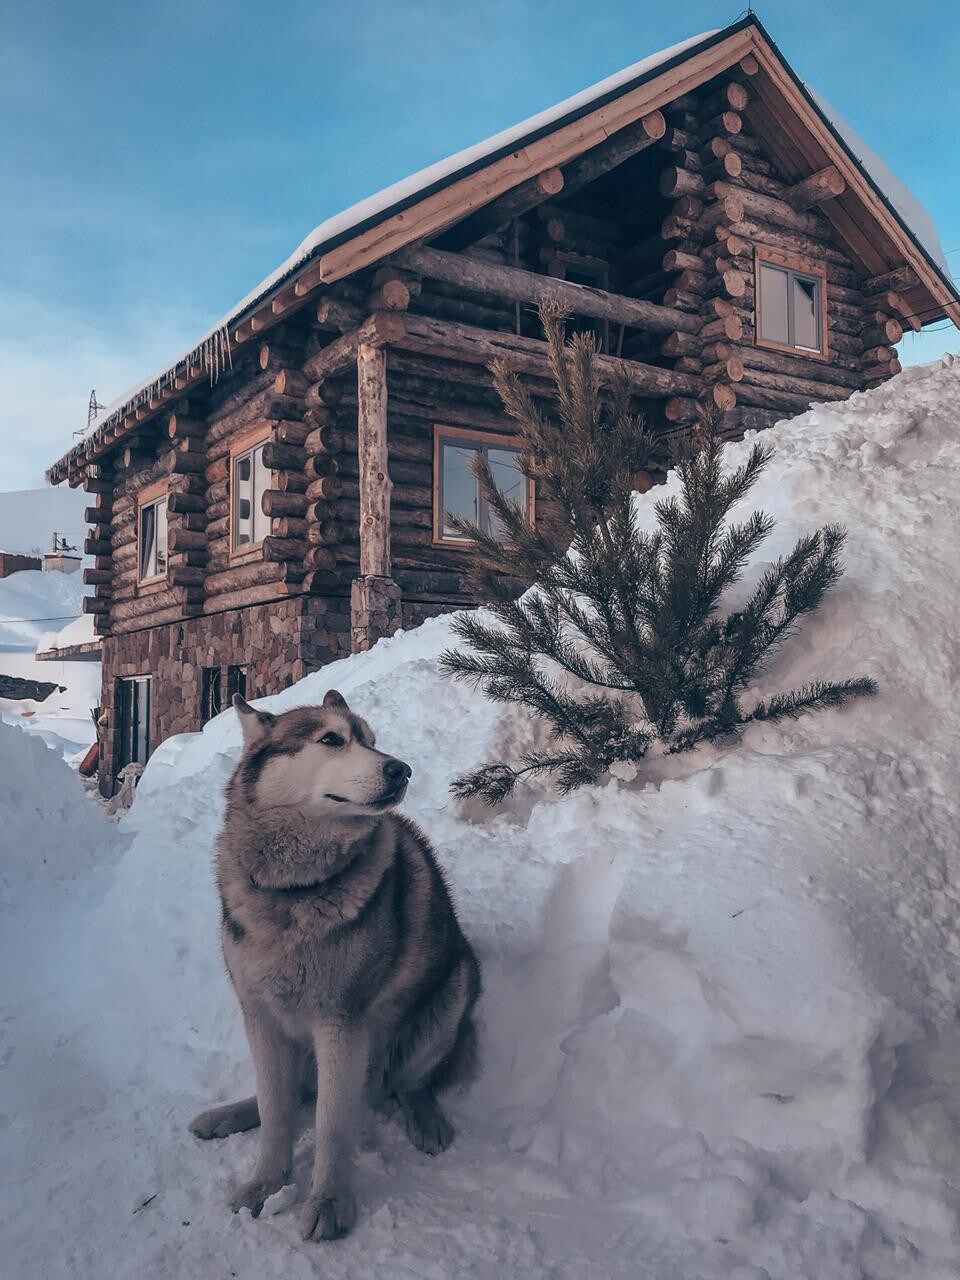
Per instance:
{"type": "Point", "coordinates": [449, 190]}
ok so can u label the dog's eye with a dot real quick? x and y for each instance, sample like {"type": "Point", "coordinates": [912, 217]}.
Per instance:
{"type": "Point", "coordinates": [332, 740]}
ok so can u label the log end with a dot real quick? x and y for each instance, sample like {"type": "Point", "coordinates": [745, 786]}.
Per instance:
{"type": "Point", "coordinates": [654, 125]}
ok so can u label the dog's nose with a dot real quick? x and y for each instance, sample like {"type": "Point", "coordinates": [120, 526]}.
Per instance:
{"type": "Point", "coordinates": [396, 771]}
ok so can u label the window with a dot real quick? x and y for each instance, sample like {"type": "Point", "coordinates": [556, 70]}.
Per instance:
{"type": "Point", "coordinates": [456, 489]}
{"type": "Point", "coordinates": [152, 537]}
{"type": "Point", "coordinates": [249, 482]}
{"type": "Point", "coordinates": [236, 683]}
{"type": "Point", "coordinates": [790, 303]}
{"type": "Point", "coordinates": [133, 720]}
{"type": "Point", "coordinates": [210, 701]}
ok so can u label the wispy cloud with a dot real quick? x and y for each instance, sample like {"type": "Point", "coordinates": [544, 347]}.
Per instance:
{"type": "Point", "coordinates": [50, 359]}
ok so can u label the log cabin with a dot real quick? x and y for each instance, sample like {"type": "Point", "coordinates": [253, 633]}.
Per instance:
{"type": "Point", "coordinates": [275, 498]}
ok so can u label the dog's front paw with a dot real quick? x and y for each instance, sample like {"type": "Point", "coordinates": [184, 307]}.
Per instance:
{"type": "Point", "coordinates": [251, 1195]}
{"type": "Point", "coordinates": [328, 1214]}
{"type": "Point", "coordinates": [221, 1122]}
{"type": "Point", "coordinates": [212, 1124]}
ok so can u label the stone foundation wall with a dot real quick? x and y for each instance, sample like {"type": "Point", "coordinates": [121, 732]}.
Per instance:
{"type": "Point", "coordinates": [276, 644]}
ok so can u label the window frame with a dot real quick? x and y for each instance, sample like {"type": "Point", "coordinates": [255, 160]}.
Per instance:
{"type": "Point", "coordinates": [794, 265]}
{"type": "Point", "coordinates": [483, 439]}
{"type": "Point", "coordinates": [244, 443]}
{"type": "Point", "coordinates": [142, 682]}
{"type": "Point", "coordinates": [210, 678]}
{"type": "Point", "coordinates": [151, 496]}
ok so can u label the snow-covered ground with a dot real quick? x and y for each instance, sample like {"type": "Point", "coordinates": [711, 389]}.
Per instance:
{"type": "Point", "coordinates": [40, 610]}
{"type": "Point", "coordinates": [720, 1035]}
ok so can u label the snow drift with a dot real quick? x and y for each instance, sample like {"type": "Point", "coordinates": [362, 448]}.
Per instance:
{"type": "Point", "coordinates": [719, 1023]}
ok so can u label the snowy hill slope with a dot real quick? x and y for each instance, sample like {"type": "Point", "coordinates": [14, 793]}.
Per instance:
{"type": "Point", "coordinates": [720, 1013]}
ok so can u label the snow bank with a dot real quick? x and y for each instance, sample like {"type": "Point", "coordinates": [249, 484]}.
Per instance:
{"type": "Point", "coordinates": [48, 828]}
{"type": "Point", "coordinates": [719, 1022]}
{"type": "Point", "coordinates": [79, 631]}
{"type": "Point", "coordinates": [34, 607]}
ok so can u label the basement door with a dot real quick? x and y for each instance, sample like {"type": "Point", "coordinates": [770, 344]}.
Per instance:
{"type": "Point", "coordinates": [134, 719]}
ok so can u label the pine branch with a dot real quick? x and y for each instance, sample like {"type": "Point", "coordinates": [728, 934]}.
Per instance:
{"type": "Point", "coordinates": [622, 642]}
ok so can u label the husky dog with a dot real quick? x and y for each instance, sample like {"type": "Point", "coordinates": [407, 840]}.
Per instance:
{"type": "Point", "coordinates": [353, 976]}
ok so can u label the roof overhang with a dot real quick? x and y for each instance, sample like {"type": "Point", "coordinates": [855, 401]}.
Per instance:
{"type": "Point", "coordinates": [784, 113]}
{"type": "Point", "coordinates": [88, 651]}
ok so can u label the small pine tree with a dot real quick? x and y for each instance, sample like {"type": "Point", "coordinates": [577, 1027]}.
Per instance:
{"type": "Point", "coordinates": [620, 644]}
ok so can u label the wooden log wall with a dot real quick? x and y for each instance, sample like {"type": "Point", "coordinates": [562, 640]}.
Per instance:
{"type": "Point", "coordinates": [99, 484]}
{"type": "Point", "coordinates": [729, 200]}
{"type": "Point", "coordinates": [675, 228]}
{"type": "Point", "coordinates": [696, 154]}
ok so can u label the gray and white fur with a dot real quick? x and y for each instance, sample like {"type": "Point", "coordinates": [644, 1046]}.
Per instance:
{"type": "Point", "coordinates": [353, 975]}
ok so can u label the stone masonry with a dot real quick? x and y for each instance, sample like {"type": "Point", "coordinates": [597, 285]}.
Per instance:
{"type": "Point", "coordinates": [276, 644]}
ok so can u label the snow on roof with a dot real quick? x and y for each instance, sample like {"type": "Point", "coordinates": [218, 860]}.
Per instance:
{"type": "Point", "coordinates": [79, 631]}
{"type": "Point", "coordinates": [913, 213]}
{"type": "Point", "coordinates": [216, 342]}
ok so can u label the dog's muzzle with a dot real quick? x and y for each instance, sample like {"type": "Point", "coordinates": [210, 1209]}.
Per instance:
{"type": "Point", "coordinates": [396, 775]}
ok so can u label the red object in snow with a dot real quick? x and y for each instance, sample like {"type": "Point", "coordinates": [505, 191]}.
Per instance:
{"type": "Point", "coordinates": [90, 762]}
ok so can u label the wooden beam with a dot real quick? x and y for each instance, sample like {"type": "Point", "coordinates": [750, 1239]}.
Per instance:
{"type": "Point", "coordinates": [501, 212]}
{"type": "Point", "coordinates": [899, 279]}
{"type": "Point", "coordinates": [617, 149]}
{"type": "Point", "coordinates": [526, 286]}
{"type": "Point", "coordinates": [376, 331]}
{"type": "Point", "coordinates": [607, 155]}
{"type": "Point", "coordinates": [825, 184]}
{"type": "Point", "coordinates": [445, 339]}
{"type": "Point", "coordinates": [372, 451]}
{"type": "Point", "coordinates": [455, 201]}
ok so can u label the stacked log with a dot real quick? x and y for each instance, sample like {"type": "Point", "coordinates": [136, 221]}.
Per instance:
{"type": "Point", "coordinates": [326, 525]}
{"type": "Point", "coordinates": [707, 284]}
{"type": "Point", "coordinates": [97, 482]}
{"type": "Point", "coordinates": [785, 218]}
{"type": "Point", "coordinates": [133, 604]}
{"type": "Point", "coordinates": [186, 513]}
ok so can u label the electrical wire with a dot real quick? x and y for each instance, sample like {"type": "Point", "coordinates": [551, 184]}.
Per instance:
{"type": "Point", "coordinates": [65, 617]}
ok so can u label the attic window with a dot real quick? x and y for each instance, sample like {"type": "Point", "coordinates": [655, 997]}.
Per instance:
{"type": "Point", "coordinates": [791, 302]}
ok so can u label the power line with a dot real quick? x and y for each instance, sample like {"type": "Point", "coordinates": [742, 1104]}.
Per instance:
{"type": "Point", "coordinates": [65, 617]}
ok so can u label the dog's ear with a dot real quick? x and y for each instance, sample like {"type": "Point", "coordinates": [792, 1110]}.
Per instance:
{"type": "Point", "coordinates": [335, 701]}
{"type": "Point", "coordinates": [255, 724]}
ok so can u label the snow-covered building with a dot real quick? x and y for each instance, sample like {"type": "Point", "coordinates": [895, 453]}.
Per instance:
{"type": "Point", "coordinates": [276, 497]}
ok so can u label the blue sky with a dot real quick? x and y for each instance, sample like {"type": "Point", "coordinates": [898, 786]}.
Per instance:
{"type": "Point", "coordinates": [157, 160]}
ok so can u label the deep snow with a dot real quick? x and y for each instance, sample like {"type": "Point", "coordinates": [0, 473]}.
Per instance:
{"type": "Point", "coordinates": [720, 1014]}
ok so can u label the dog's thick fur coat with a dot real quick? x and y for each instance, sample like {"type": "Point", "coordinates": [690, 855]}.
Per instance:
{"type": "Point", "coordinates": [343, 946]}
